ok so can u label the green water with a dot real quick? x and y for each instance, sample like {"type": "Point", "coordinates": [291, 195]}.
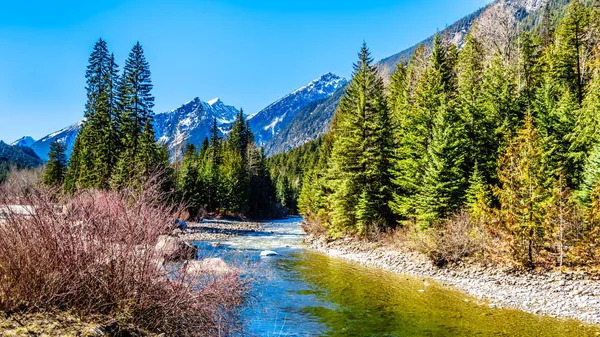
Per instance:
{"type": "Point", "coordinates": [300, 293]}
{"type": "Point", "coordinates": [371, 302]}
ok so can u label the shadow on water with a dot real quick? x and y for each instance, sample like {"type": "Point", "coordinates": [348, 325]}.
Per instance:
{"type": "Point", "coordinates": [301, 293]}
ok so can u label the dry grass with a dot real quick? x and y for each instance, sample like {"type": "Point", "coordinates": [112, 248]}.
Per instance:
{"type": "Point", "coordinates": [95, 255]}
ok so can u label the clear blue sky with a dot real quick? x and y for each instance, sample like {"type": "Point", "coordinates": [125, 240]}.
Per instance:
{"type": "Point", "coordinates": [248, 53]}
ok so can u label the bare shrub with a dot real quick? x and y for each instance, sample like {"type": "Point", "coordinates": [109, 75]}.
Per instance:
{"type": "Point", "coordinates": [19, 183]}
{"type": "Point", "coordinates": [451, 241]}
{"type": "Point", "coordinates": [96, 255]}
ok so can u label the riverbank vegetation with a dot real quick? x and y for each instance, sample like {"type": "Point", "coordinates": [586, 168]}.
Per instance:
{"type": "Point", "coordinates": [95, 254]}
{"type": "Point", "coordinates": [489, 150]}
{"type": "Point", "coordinates": [86, 236]}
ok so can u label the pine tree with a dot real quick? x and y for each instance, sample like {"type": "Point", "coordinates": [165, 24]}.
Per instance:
{"type": "Point", "coordinates": [478, 196]}
{"type": "Point", "coordinates": [137, 103]}
{"type": "Point", "coordinates": [591, 175]}
{"type": "Point", "coordinates": [261, 199]}
{"type": "Point", "coordinates": [97, 141]}
{"type": "Point", "coordinates": [73, 169]}
{"type": "Point", "coordinates": [213, 169]}
{"type": "Point", "coordinates": [359, 170]}
{"type": "Point", "coordinates": [586, 130]}
{"type": "Point", "coordinates": [56, 168]}
{"type": "Point", "coordinates": [501, 111]}
{"type": "Point", "coordinates": [444, 182]}
{"type": "Point", "coordinates": [188, 180]}
{"type": "Point", "coordinates": [570, 40]}
{"type": "Point", "coordinates": [409, 134]}
{"type": "Point", "coordinates": [238, 137]}
{"type": "Point", "coordinates": [469, 105]}
{"type": "Point", "coordinates": [444, 177]}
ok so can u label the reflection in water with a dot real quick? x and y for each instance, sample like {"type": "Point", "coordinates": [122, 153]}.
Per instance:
{"type": "Point", "coordinates": [300, 293]}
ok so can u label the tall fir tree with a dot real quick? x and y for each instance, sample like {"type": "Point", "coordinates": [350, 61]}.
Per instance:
{"type": "Point", "coordinates": [97, 141]}
{"type": "Point", "coordinates": [135, 122]}
{"type": "Point", "coordinates": [56, 168]}
{"type": "Point", "coordinates": [359, 167]}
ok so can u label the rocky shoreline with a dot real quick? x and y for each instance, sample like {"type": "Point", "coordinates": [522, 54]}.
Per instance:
{"type": "Point", "coordinates": [218, 230]}
{"type": "Point", "coordinates": [561, 295]}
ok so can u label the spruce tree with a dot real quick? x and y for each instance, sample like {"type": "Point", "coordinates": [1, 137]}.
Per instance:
{"type": "Point", "coordinates": [188, 180]}
{"type": "Point", "coordinates": [238, 137]}
{"type": "Point", "coordinates": [97, 141]}
{"type": "Point", "coordinates": [410, 134]}
{"type": "Point", "coordinates": [213, 169]}
{"type": "Point", "coordinates": [136, 104]}
{"type": "Point", "coordinates": [359, 167]}
{"type": "Point", "coordinates": [56, 168]}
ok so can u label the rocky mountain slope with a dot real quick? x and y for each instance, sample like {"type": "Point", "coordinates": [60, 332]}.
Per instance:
{"type": "Point", "coordinates": [307, 125]}
{"type": "Point", "coordinates": [271, 120]}
{"type": "Point", "coordinates": [23, 141]}
{"type": "Point", "coordinates": [192, 122]}
{"type": "Point", "coordinates": [66, 136]}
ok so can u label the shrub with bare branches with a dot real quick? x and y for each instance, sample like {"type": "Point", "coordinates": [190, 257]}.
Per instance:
{"type": "Point", "coordinates": [96, 255]}
{"type": "Point", "coordinates": [452, 240]}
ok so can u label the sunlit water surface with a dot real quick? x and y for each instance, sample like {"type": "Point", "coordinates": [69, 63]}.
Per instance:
{"type": "Point", "coordinates": [302, 293]}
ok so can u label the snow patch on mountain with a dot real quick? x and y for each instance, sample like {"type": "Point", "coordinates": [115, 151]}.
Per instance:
{"type": "Point", "coordinates": [66, 136]}
{"type": "Point", "coordinates": [269, 121]}
{"type": "Point", "coordinates": [23, 141]}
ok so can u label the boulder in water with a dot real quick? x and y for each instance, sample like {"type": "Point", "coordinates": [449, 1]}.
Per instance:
{"type": "Point", "coordinates": [268, 253]}
{"type": "Point", "coordinates": [175, 249]}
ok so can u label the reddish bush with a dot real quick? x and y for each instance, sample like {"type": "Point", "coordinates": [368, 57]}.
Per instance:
{"type": "Point", "coordinates": [96, 254]}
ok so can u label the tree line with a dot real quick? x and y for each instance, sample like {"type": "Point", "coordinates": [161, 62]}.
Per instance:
{"type": "Point", "coordinates": [116, 148]}
{"type": "Point", "coordinates": [507, 130]}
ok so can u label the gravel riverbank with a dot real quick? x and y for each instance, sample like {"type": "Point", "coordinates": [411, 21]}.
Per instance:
{"type": "Point", "coordinates": [566, 295]}
{"type": "Point", "coordinates": [218, 230]}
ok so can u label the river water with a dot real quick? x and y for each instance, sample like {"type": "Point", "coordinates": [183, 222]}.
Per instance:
{"type": "Point", "coordinates": [302, 293]}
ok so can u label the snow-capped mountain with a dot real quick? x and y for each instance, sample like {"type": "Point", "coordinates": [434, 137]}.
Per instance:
{"type": "Point", "coordinates": [66, 136]}
{"type": "Point", "coordinates": [272, 119]}
{"type": "Point", "coordinates": [23, 141]}
{"type": "Point", "coordinates": [192, 122]}
{"type": "Point", "coordinates": [308, 124]}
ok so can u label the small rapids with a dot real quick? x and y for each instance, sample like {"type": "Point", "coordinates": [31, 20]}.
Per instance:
{"type": "Point", "coordinates": [301, 293]}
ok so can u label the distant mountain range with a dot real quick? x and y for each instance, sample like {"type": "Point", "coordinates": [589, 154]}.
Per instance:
{"type": "Point", "coordinates": [192, 121]}
{"type": "Point", "coordinates": [305, 113]}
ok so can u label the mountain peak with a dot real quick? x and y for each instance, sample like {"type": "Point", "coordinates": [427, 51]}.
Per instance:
{"type": "Point", "coordinates": [23, 141]}
{"type": "Point", "coordinates": [269, 121]}
{"type": "Point", "coordinates": [214, 101]}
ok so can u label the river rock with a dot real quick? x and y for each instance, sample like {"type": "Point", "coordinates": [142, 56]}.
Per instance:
{"type": "Point", "coordinates": [175, 249]}
{"type": "Point", "coordinates": [268, 253]}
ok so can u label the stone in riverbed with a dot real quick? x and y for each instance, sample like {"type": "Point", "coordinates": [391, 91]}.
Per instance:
{"type": "Point", "coordinates": [175, 249]}
{"type": "Point", "coordinates": [268, 253]}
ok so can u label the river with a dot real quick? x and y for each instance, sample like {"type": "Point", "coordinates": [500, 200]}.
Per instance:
{"type": "Point", "coordinates": [302, 293]}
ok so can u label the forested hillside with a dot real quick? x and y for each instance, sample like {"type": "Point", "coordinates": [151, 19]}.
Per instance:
{"type": "Point", "coordinates": [16, 157]}
{"type": "Point", "coordinates": [506, 130]}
